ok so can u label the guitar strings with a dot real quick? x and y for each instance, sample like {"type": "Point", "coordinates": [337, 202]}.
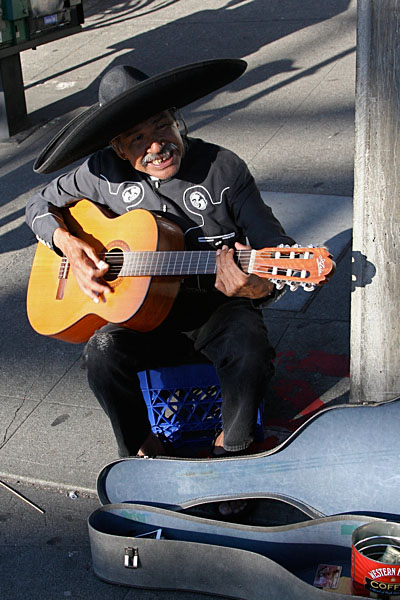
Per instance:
{"type": "Point", "coordinates": [240, 253]}
{"type": "Point", "coordinates": [139, 260]}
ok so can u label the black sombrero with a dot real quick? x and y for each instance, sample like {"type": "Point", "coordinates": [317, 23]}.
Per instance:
{"type": "Point", "coordinates": [126, 97]}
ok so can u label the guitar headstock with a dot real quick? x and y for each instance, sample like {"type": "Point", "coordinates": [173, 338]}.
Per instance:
{"type": "Point", "coordinates": [294, 266]}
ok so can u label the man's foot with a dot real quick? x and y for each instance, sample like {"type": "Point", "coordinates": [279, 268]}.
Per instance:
{"type": "Point", "coordinates": [218, 449]}
{"type": "Point", "coordinates": [232, 510]}
{"type": "Point", "coordinates": [155, 445]}
{"type": "Point", "coordinates": [218, 446]}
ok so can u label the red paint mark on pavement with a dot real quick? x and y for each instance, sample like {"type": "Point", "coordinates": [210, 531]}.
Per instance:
{"type": "Point", "coordinates": [311, 408]}
{"type": "Point", "coordinates": [336, 365]}
{"type": "Point", "coordinates": [298, 392]}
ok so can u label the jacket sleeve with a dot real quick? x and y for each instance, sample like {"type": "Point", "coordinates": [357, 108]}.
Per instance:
{"type": "Point", "coordinates": [41, 210]}
{"type": "Point", "coordinates": [253, 216]}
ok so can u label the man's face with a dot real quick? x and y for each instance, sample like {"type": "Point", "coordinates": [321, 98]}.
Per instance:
{"type": "Point", "coordinates": [154, 146]}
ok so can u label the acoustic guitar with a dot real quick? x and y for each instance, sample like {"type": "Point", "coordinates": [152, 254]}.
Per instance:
{"type": "Point", "coordinates": [147, 261]}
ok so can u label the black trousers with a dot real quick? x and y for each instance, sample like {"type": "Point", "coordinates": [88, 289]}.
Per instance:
{"type": "Point", "coordinates": [233, 337]}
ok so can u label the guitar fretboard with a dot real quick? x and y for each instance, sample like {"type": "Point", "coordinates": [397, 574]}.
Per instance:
{"type": "Point", "coordinates": [173, 263]}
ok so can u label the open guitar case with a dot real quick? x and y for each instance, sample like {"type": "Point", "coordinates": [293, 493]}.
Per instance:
{"type": "Point", "coordinates": [340, 470]}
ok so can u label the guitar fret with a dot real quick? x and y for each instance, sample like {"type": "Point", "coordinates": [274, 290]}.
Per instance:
{"type": "Point", "coordinates": [176, 258]}
{"type": "Point", "coordinates": [166, 260]}
{"type": "Point", "coordinates": [160, 263]}
{"type": "Point", "coordinates": [133, 262]}
{"type": "Point", "coordinates": [169, 262]}
{"type": "Point", "coordinates": [154, 256]}
{"type": "Point", "coordinates": [144, 267]}
{"type": "Point", "coordinates": [153, 259]}
{"type": "Point", "coordinates": [164, 263]}
{"type": "Point", "coordinates": [125, 265]}
{"type": "Point", "coordinates": [138, 263]}
{"type": "Point", "coordinates": [148, 262]}
{"type": "Point", "coordinates": [206, 267]}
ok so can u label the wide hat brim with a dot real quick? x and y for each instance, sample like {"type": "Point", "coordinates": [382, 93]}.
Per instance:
{"type": "Point", "coordinates": [96, 126]}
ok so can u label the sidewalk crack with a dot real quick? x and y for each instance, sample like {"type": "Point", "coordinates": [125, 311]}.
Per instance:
{"type": "Point", "coordinates": [13, 419]}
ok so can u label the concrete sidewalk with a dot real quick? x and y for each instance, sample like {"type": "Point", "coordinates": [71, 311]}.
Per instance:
{"type": "Point", "coordinates": [291, 118]}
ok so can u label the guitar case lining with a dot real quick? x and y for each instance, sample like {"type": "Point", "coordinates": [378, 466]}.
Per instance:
{"type": "Point", "coordinates": [343, 460]}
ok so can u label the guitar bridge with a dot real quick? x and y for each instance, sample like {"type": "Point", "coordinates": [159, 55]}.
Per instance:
{"type": "Point", "coordinates": [62, 278]}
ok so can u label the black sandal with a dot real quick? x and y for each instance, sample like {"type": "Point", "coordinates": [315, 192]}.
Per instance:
{"type": "Point", "coordinates": [168, 446]}
{"type": "Point", "coordinates": [225, 453]}
{"type": "Point", "coordinates": [238, 513]}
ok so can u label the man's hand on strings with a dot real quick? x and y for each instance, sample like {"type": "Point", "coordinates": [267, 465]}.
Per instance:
{"type": "Point", "coordinates": [86, 266]}
{"type": "Point", "coordinates": [233, 282]}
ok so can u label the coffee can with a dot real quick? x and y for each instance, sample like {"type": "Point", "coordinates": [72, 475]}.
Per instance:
{"type": "Point", "coordinates": [375, 560]}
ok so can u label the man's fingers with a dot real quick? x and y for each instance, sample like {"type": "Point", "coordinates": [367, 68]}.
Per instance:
{"type": "Point", "coordinates": [101, 265]}
{"type": "Point", "coordinates": [88, 254]}
{"type": "Point", "coordinates": [87, 267]}
{"type": "Point", "coordinates": [240, 246]}
{"type": "Point", "coordinates": [89, 279]}
{"type": "Point", "coordinates": [97, 294]}
{"type": "Point", "coordinates": [97, 298]}
{"type": "Point", "coordinates": [225, 257]}
{"type": "Point", "coordinates": [230, 278]}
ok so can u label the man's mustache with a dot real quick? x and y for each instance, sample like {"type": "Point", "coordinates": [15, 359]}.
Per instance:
{"type": "Point", "coordinates": [168, 148]}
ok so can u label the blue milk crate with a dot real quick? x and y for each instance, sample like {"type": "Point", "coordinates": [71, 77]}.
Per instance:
{"type": "Point", "coordinates": [184, 403]}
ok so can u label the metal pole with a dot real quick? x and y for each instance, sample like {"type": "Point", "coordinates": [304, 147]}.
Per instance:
{"type": "Point", "coordinates": [12, 97]}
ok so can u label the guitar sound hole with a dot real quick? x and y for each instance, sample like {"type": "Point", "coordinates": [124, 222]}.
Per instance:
{"type": "Point", "coordinates": [115, 260]}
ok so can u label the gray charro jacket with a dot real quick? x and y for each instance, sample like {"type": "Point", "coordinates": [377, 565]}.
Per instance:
{"type": "Point", "coordinates": [213, 197]}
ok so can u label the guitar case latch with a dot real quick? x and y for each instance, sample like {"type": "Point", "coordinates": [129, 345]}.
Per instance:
{"type": "Point", "coordinates": [131, 558]}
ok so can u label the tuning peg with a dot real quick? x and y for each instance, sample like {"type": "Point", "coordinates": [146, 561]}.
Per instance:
{"type": "Point", "coordinates": [308, 287]}
{"type": "Point", "coordinates": [279, 284]}
{"type": "Point", "coordinates": [293, 285]}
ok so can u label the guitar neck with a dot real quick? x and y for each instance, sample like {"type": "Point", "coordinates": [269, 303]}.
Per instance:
{"type": "Point", "coordinates": [292, 265]}
{"type": "Point", "coordinates": [172, 263]}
